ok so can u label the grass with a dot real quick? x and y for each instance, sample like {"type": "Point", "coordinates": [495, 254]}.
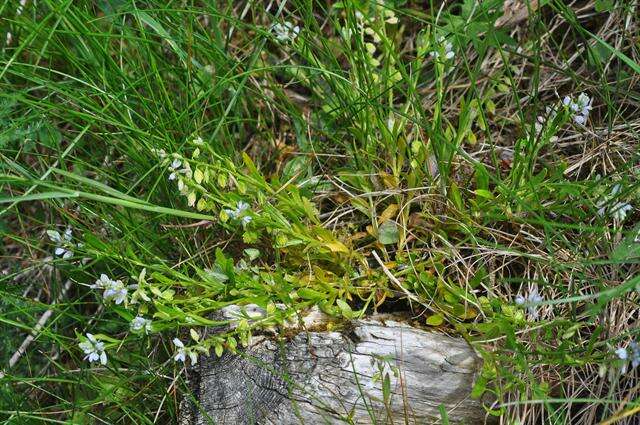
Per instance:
{"type": "Point", "coordinates": [355, 141]}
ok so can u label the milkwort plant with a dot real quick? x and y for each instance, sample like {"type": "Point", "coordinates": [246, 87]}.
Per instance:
{"type": "Point", "coordinates": [173, 161]}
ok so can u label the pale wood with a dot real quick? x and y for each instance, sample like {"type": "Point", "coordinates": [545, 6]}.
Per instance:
{"type": "Point", "coordinates": [326, 377]}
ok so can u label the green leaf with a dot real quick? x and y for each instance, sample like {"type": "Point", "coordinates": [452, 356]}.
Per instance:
{"type": "Point", "coordinates": [444, 417]}
{"type": "Point", "coordinates": [194, 335]}
{"type": "Point", "coordinates": [310, 294]}
{"type": "Point", "coordinates": [252, 253]}
{"type": "Point", "coordinates": [345, 309]}
{"type": "Point", "coordinates": [456, 198]}
{"type": "Point", "coordinates": [168, 294]}
{"type": "Point", "coordinates": [484, 193]}
{"type": "Point", "coordinates": [219, 349]}
{"type": "Point", "coordinates": [435, 320]}
{"type": "Point", "coordinates": [628, 250]}
{"type": "Point", "coordinates": [604, 5]}
{"type": "Point", "coordinates": [198, 176]}
{"type": "Point", "coordinates": [388, 233]}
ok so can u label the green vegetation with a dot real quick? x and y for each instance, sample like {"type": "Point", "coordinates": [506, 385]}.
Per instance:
{"type": "Point", "coordinates": [407, 155]}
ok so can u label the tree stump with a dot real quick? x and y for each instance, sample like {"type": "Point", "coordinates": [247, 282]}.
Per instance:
{"type": "Point", "coordinates": [337, 377]}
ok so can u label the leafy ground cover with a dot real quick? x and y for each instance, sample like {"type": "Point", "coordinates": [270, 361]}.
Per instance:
{"type": "Point", "coordinates": [474, 163]}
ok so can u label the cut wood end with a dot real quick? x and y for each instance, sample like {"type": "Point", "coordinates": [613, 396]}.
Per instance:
{"type": "Point", "coordinates": [326, 377]}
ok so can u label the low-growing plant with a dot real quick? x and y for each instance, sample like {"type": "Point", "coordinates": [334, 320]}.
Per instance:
{"type": "Point", "coordinates": [179, 177]}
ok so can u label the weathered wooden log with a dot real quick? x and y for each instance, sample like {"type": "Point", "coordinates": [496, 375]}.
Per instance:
{"type": "Point", "coordinates": [336, 377]}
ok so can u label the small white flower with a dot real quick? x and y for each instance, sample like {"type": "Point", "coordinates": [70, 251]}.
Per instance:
{"type": "Point", "coordinates": [241, 208]}
{"type": "Point", "coordinates": [579, 108]}
{"type": "Point", "coordinates": [183, 352]}
{"type": "Point", "coordinates": [285, 32]}
{"type": "Point", "coordinates": [93, 349]}
{"type": "Point", "coordinates": [114, 290]}
{"type": "Point", "coordinates": [443, 48]}
{"type": "Point", "coordinates": [63, 241]}
{"type": "Point", "coordinates": [622, 353]}
{"type": "Point", "coordinates": [240, 213]}
{"type": "Point", "coordinates": [530, 302]}
{"type": "Point", "coordinates": [139, 323]}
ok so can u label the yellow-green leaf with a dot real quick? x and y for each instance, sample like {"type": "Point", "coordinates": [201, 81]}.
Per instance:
{"type": "Point", "coordinates": [435, 320]}
{"type": "Point", "coordinates": [198, 176]}
{"type": "Point", "coordinates": [194, 335]}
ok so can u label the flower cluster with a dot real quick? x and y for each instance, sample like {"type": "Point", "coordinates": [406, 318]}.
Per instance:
{"type": "Point", "coordinates": [183, 352]}
{"type": "Point", "coordinates": [531, 301]}
{"type": "Point", "coordinates": [579, 108]}
{"type": "Point", "coordinates": [631, 353]}
{"type": "Point", "coordinates": [189, 180]}
{"type": "Point", "coordinates": [140, 324]}
{"type": "Point", "coordinates": [443, 49]}
{"type": "Point", "coordinates": [240, 213]}
{"type": "Point", "coordinates": [93, 349]}
{"type": "Point", "coordinates": [116, 291]}
{"type": "Point", "coordinates": [113, 289]}
{"type": "Point", "coordinates": [63, 242]}
{"type": "Point", "coordinates": [285, 32]}
{"type": "Point", "coordinates": [175, 169]}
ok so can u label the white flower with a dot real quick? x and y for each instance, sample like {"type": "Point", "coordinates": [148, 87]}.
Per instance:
{"type": "Point", "coordinates": [183, 352]}
{"type": "Point", "coordinates": [241, 208]}
{"type": "Point", "coordinates": [622, 353]}
{"type": "Point", "coordinates": [63, 241]}
{"type": "Point", "coordinates": [443, 47]}
{"type": "Point", "coordinates": [579, 108]}
{"type": "Point", "coordinates": [93, 349]}
{"type": "Point", "coordinates": [632, 352]}
{"type": "Point", "coordinates": [175, 164]}
{"type": "Point", "coordinates": [530, 302]}
{"type": "Point", "coordinates": [285, 32]}
{"type": "Point", "coordinates": [240, 213]}
{"type": "Point", "coordinates": [113, 289]}
{"type": "Point", "coordinates": [139, 323]}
